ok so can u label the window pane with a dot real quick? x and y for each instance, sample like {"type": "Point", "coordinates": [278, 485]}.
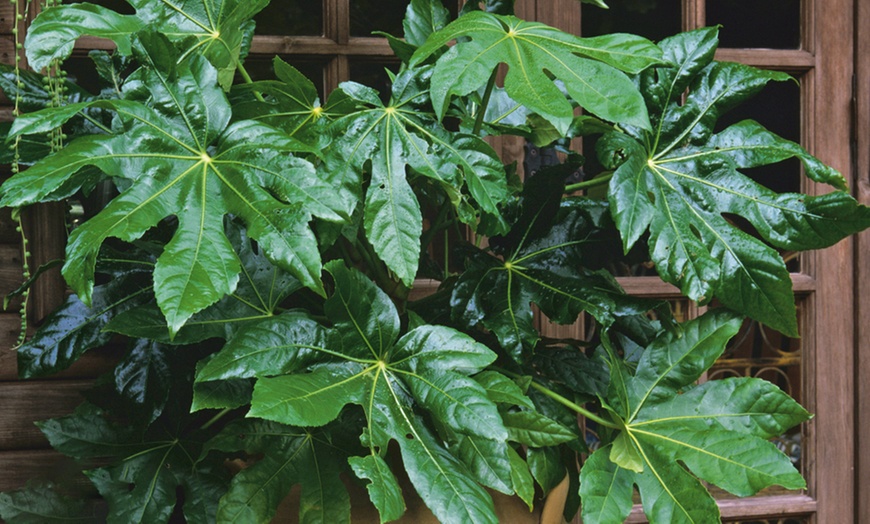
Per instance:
{"type": "Point", "coordinates": [119, 6]}
{"type": "Point", "coordinates": [653, 19]}
{"type": "Point", "coordinates": [291, 17]}
{"type": "Point", "coordinates": [756, 23]}
{"type": "Point", "coordinates": [778, 108]}
{"type": "Point", "coordinates": [377, 15]}
{"type": "Point", "coordinates": [82, 71]}
{"type": "Point", "coordinates": [374, 75]}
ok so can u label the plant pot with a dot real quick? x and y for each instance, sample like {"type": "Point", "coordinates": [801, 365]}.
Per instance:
{"type": "Point", "coordinates": [509, 509]}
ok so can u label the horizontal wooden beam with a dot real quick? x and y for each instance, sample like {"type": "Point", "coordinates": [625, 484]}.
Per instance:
{"type": "Point", "coordinates": [24, 401]}
{"type": "Point", "coordinates": [285, 45]}
{"type": "Point", "coordinates": [751, 508]}
{"type": "Point", "coordinates": [779, 59]}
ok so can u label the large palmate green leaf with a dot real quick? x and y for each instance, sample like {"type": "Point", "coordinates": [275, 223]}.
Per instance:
{"type": "Point", "coordinates": [143, 378]}
{"type": "Point", "coordinates": [541, 262]}
{"type": "Point", "coordinates": [719, 431]}
{"type": "Point", "coordinates": [290, 103]}
{"type": "Point", "coordinates": [289, 456]}
{"type": "Point", "coordinates": [422, 19]}
{"type": "Point", "coordinates": [41, 503]}
{"type": "Point", "coordinates": [384, 490]}
{"type": "Point", "coordinates": [75, 327]}
{"type": "Point", "coordinates": [140, 484]}
{"type": "Point", "coordinates": [588, 68]}
{"type": "Point", "coordinates": [182, 159]}
{"type": "Point", "coordinates": [262, 287]}
{"type": "Point", "coordinates": [215, 29]}
{"type": "Point", "coordinates": [681, 180]}
{"type": "Point", "coordinates": [310, 373]}
{"type": "Point", "coordinates": [388, 141]}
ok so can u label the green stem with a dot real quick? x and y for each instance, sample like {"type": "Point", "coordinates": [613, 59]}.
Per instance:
{"type": "Point", "coordinates": [487, 94]}
{"type": "Point", "coordinates": [564, 401]}
{"type": "Point", "coordinates": [437, 225]}
{"type": "Point", "coordinates": [248, 80]}
{"type": "Point", "coordinates": [94, 121]}
{"type": "Point", "coordinates": [396, 290]}
{"type": "Point", "coordinates": [574, 406]}
{"type": "Point", "coordinates": [215, 418]}
{"type": "Point", "coordinates": [446, 256]}
{"type": "Point", "coordinates": [600, 180]}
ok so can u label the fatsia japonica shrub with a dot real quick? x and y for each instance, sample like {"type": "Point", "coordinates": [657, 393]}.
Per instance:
{"type": "Point", "coordinates": [259, 253]}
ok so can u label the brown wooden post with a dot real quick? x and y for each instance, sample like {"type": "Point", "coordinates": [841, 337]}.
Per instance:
{"type": "Point", "coordinates": [861, 105]}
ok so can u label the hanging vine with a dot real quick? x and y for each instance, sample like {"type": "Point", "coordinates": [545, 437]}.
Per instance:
{"type": "Point", "coordinates": [54, 82]}
{"type": "Point", "coordinates": [20, 9]}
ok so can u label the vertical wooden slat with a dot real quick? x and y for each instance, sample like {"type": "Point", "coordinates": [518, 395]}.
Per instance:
{"type": "Point", "coordinates": [832, 322]}
{"type": "Point", "coordinates": [46, 232]}
{"type": "Point", "coordinates": [694, 14]}
{"type": "Point", "coordinates": [562, 14]}
{"type": "Point", "coordinates": [861, 128]}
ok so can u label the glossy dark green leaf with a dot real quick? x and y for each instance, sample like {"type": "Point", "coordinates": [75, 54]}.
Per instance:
{"type": "Point", "coordinates": [573, 369]}
{"type": "Point", "coordinates": [365, 318]}
{"type": "Point", "coordinates": [541, 261]}
{"type": "Point", "coordinates": [262, 287]}
{"type": "Point", "coordinates": [391, 379]}
{"type": "Point", "coordinates": [143, 472]}
{"type": "Point", "coordinates": [438, 349]}
{"type": "Point", "coordinates": [275, 345]}
{"type": "Point", "coordinates": [384, 490]}
{"type": "Point", "coordinates": [144, 378]}
{"type": "Point", "coordinates": [682, 180]}
{"type": "Point", "coordinates": [530, 48]}
{"type": "Point", "coordinates": [203, 488]}
{"type": "Point", "coordinates": [290, 456]}
{"type": "Point", "coordinates": [89, 433]}
{"type": "Point", "coordinates": [675, 360]}
{"type": "Point", "coordinates": [422, 18]}
{"type": "Point", "coordinates": [42, 503]}
{"type": "Point", "coordinates": [606, 489]}
{"type": "Point", "coordinates": [533, 429]}
{"type": "Point", "coordinates": [521, 478]}
{"type": "Point", "coordinates": [30, 90]}
{"type": "Point", "coordinates": [215, 28]}
{"type": "Point", "coordinates": [310, 399]}
{"type": "Point", "coordinates": [290, 103]}
{"type": "Point", "coordinates": [222, 394]}
{"type": "Point", "coordinates": [486, 459]}
{"type": "Point", "coordinates": [502, 390]}
{"type": "Point", "coordinates": [671, 494]}
{"type": "Point", "coordinates": [74, 327]}
{"type": "Point", "coordinates": [56, 30]}
{"type": "Point", "coordinates": [392, 140]}
{"type": "Point", "coordinates": [546, 466]}
{"type": "Point", "coordinates": [718, 430]}
{"type": "Point", "coordinates": [182, 155]}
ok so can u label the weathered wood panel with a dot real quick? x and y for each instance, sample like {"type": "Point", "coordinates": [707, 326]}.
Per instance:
{"type": "Point", "coordinates": [20, 466]}
{"type": "Point", "coordinates": [91, 365]}
{"type": "Point", "coordinates": [45, 222]}
{"type": "Point", "coordinates": [24, 402]}
{"type": "Point", "coordinates": [862, 260]}
{"type": "Point", "coordinates": [831, 324]}
{"type": "Point", "coordinates": [7, 17]}
{"type": "Point", "coordinates": [8, 235]}
{"type": "Point", "coordinates": [7, 49]}
{"type": "Point", "coordinates": [10, 273]}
